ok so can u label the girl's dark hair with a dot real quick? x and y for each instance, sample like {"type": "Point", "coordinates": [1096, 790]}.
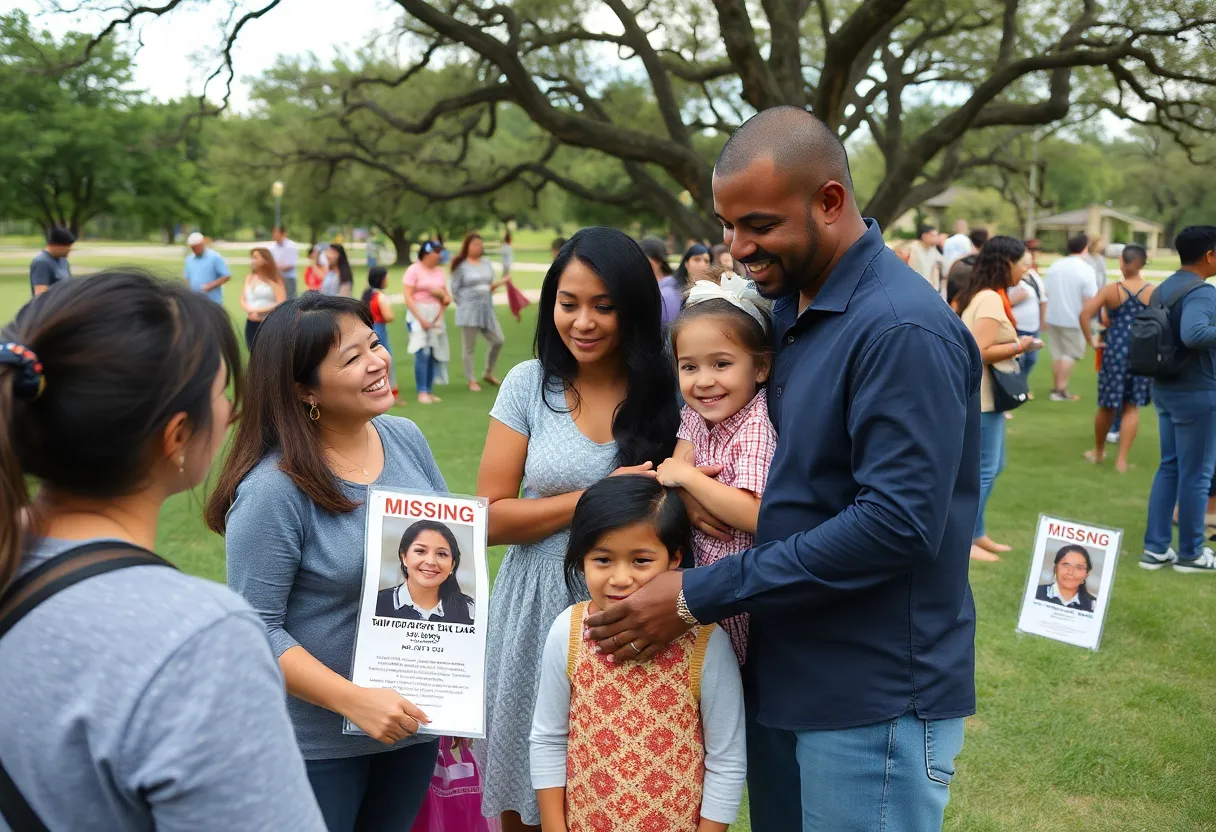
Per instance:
{"type": "Point", "coordinates": [122, 353]}
{"type": "Point", "coordinates": [345, 275]}
{"type": "Point", "coordinates": [375, 282]}
{"type": "Point", "coordinates": [616, 502]}
{"type": "Point", "coordinates": [1081, 550]}
{"type": "Point", "coordinates": [740, 327]}
{"type": "Point", "coordinates": [455, 602]}
{"type": "Point", "coordinates": [506, 237]}
{"type": "Point", "coordinates": [645, 424]}
{"type": "Point", "coordinates": [656, 250]}
{"type": "Point", "coordinates": [300, 333]}
{"type": "Point", "coordinates": [993, 266]}
{"type": "Point", "coordinates": [694, 250]}
{"type": "Point", "coordinates": [464, 249]}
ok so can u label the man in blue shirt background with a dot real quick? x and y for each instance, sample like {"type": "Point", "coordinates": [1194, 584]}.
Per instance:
{"type": "Point", "coordinates": [861, 662]}
{"type": "Point", "coordinates": [1186, 413]}
{"type": "Point", "coordinates": [206, 270]}
{"type": "Point", "coordinates": [50, 266]}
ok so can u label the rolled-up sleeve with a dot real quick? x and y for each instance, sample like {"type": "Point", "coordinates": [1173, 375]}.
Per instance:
{"type": "Point", "coordinates": [264, 539]}
{"type": "Point", "coordinates": [908, 404]}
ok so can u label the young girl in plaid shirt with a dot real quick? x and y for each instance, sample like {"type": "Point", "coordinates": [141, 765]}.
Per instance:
{"type": "Point", "coordinates": [723, 355]}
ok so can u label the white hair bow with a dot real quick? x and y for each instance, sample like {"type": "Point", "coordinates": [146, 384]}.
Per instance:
{"type": "Point", "coordinates": [734, 290]}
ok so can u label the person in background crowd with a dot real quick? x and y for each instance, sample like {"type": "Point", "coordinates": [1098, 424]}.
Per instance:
{"type": "Point", "coordinates": [1096, 255]}
{"type": "Point", "coordinates": [1186, 412]}
{"type": "Point", "coordinates": [1119, 390]}
{"type": "Point", "coordinates": [861, 663]}
{"type": "Point", "coordinates": [445, 256]}
{"type": "Point", "coordinates": [693, 266]}
{"type": "Point", "coordinates": [927, 260]}
{"type": "Point", "coordinates": [1069, 282]}
{"type": "Point", "coordinates": [262, 293]}
{"type": "Point", "coordinates": [669, 288]}
{"type": "Point", "coordinates": [597, 400]}
{"type": "Point", "coordinates": [957, 246]}
{"type": "Point", "coordinates": [473, 287]}
{"type": "Point", "coordinates": [50, 266]}
{"type": "Point", "coordinates": [507, 254]}
{"type": "Point", "coordinates": [1029, 302]}
{"type": "Point", "coordinates": [719, 256]}
{"type": "Point", "coordinates": [381, 309]}
{"type": "Point", "coordinates": [555, 247]}
{"type": "Point", "coordinates": [426, 299]}
{"type": "Point", "coordinates": [290, 502]}
{"type": "Point", "coordinates": [339, 279]}
{"type": "Point", "coordinates": [959, 274]}
{"type": "Point", "coordinates": [371, 250]}
{"type": "Point", "coordinates": [206, 270]}
{"type": "Point", "coordinates": [988, 315]}
{"type": "Point", "coordinates": [286, 257]}
{"type": "Point", "coordinates": [314, 275]}
{"type": "Point", "coordinates": [153, 693]}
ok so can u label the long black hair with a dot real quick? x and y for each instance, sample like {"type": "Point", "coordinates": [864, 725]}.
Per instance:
{"type": "Point", "coordinates": [375, 283]}
{"type": "Point", "coordinates": [694, 250]}
{"type": "Point", "coordinates": [645, 424]}
{"type": "Point", "coordinates": [616, 502]}
{"type": "Point", "coordinates": [345, 275]}
{"type": "Point", "coordinates": [455, 602]}
{"type": "Point", "coordinates": [1083, 592]}
{"type": "Point", "coordinates": [993, 267]}
{"type": "Point", "coordinates": [119, 355]}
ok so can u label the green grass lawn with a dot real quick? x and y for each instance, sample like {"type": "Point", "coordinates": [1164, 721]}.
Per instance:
{"type": "Point", "coordinates": [1065, 739]}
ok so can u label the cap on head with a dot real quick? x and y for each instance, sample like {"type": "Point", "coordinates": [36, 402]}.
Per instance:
{"type": "Point", "coordinates": [60, 236]}
{"type": "Point", "coordinates": [429, 247]}
{"type": "Point", "coordinates": [797, 142]}
{"type": "Point", "coordinates": [195, 239]}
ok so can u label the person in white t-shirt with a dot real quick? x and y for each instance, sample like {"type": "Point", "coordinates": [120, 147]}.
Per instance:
{"type": "Point", "coordinates": [1029, 302]}
{"type": "Point", "coordinates": [927, 260]}
{"type": "Point", "coordinates": [286, 255]}
{"type": "Point", "coordinates": [1070, 282]}
{"type": "Point", "coordinates": [957, 246]}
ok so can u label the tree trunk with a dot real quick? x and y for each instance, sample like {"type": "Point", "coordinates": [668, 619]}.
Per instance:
{"type": "Point", "coordinates": [400, 238]}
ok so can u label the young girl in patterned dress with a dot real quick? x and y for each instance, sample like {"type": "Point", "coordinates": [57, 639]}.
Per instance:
{"type": "Point", "coordinates": [723, 355]}
{"type": "Point", "coordinates": [634, 747]}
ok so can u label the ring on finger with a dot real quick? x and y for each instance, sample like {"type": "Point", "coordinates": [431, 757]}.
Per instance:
{"type": "Point", "coordinates": [636, 650]}
{"type": "Point", "coordinates": [615, 643]}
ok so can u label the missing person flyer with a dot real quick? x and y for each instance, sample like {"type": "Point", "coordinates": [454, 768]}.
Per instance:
{"type": "Point", "coordinates": [424, 604]}
{"type": "Point", "coordinates": [1067, 592]}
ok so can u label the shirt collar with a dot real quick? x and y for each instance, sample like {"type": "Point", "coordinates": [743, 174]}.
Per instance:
{"type": "Point", "coordinates": [836, 292]}
{"type": "Point", "coordinates": [1053, 591]}
{"type": "Point", "coordinates": [401, 598]}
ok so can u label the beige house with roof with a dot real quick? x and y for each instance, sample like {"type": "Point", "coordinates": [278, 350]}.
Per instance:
{"type": "Point", "coordinates": [1100, 220]}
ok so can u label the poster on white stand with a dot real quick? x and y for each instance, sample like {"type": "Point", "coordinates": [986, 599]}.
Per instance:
{"type": "Point", "coordinates": [423, 608]}
{"type": "Point", "coordinates": [1072, 570]}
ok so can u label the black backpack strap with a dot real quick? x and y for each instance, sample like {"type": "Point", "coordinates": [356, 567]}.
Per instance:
{"type": "Point", "coordinates": [23, 595]}
{"type": "Point", "coordinates": [1186, 289]}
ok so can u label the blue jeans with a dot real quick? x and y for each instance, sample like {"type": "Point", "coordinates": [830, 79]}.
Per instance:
{"type": "Point", "coordinates": [892, 776]}
{"type": "Point", "coordinates": [375, 792]}
{"type": "Point", "coordinates": [1187, 424]}
{"type": "Point", "coordinates": [424, 370]}
{"type": "Point", "coordinates": [1028, 359]}
{"type": "Point", "coordinates": [992, 460]}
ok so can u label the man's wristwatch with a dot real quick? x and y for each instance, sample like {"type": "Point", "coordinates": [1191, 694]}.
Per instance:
{"type": "Point", "coordinates": [682, 610]}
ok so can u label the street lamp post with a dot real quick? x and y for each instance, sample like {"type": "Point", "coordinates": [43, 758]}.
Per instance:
{"type": "Point", "coordinates": [277, 190]}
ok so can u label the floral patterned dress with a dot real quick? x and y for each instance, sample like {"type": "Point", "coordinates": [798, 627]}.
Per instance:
{"type": "Point", "coordinates": [1116, 384]}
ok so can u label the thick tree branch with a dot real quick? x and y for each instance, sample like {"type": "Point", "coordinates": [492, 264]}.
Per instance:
{"type": "Point", "coordinates": [760, 87]}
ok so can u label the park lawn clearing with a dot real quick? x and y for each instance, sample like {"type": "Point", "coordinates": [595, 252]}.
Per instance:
{"type": "Point", "coordinates": [1065, 739]}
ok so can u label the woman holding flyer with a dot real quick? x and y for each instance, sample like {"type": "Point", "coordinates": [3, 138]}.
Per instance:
{"type": "Point", "coordinates": [596, 401]}
{"type": "Point", "coordinates": [313, 437]}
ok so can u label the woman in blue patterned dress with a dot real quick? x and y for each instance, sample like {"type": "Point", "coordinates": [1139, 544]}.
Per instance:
{"type": "Point", "coordinates": [596, 401]}
{"type": "Point", "coordinates": [1117, 387]}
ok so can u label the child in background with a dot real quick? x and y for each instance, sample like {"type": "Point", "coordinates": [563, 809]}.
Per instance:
{"type": "Point", "coordinates": [634, 747]}
{"type": "Point", "coordinates": [382, 316]}
{"type": "Point", "coordinates": [723, 355]}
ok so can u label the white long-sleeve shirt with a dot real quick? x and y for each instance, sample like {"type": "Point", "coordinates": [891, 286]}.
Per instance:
{"type": "Point", "coordinates": [721, 722]}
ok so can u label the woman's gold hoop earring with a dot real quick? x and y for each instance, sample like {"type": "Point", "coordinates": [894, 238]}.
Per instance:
{"type": "Point", "coordinates": [314, 413]}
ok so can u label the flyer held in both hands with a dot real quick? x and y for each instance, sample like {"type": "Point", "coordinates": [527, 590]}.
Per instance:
{"type": "Point", "coordinates": [422, 614]}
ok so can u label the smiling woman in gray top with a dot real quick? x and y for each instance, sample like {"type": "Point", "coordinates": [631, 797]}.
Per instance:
{"type": "Point", "coordinates": [313, 437]}
{"type": "Point", "coordinates": [140, 698]}
{"type": "Point", "coordinates": [473, 286]}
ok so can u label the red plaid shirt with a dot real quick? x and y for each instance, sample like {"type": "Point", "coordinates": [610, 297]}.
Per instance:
{"type": "Point", "coordinates": [744, 446]}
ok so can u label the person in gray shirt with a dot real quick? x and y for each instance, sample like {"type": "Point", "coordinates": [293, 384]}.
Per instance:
{"type": "Point", "coordinates": [289, 500]}
{"type": "Point", "coordinates": [141, 698]}
{"type": "Point", "coordinates": [50, 266]}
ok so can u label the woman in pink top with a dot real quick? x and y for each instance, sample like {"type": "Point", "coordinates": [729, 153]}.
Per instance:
{"type": "Point", "coordinates": [427, 298]}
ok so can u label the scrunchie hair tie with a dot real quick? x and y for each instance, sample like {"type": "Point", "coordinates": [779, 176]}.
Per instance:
{"type": "Point", "coordinates": [734, 290]}
{"type": "Point", "coordinates": [30, 382]}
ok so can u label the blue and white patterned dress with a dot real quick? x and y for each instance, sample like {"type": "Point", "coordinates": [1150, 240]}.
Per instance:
{"type": "Point", "coordinates": [1116, 385]}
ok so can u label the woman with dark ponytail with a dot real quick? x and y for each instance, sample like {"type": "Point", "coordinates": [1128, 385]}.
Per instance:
{"type": "Point", "coordinates": [151, 696]}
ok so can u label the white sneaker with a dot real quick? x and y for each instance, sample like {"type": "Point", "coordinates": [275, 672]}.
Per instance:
{"type": "Point", "coordinates": [1206, 562]}
{"type": "Point", "coordinates": [1113, 437]}
{"type": "Point", "coordinates": [1056, 396]}
{"type": "Point", "coordinates": [1153, 561]}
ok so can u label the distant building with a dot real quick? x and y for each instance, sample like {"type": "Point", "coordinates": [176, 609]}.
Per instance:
{"type": "Point", "coordinates": [1115, 227]}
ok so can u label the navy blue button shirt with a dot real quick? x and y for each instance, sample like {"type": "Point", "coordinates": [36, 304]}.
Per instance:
{"type": "Point", "coordinates": [857, 584]}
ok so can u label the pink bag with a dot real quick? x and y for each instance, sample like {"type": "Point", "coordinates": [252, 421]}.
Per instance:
{"type": "Point", "coordinates": [454, 802]}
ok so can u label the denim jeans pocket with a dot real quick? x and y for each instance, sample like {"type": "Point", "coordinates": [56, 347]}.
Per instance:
{"type": "Point", "coordinates": [943, 742]}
